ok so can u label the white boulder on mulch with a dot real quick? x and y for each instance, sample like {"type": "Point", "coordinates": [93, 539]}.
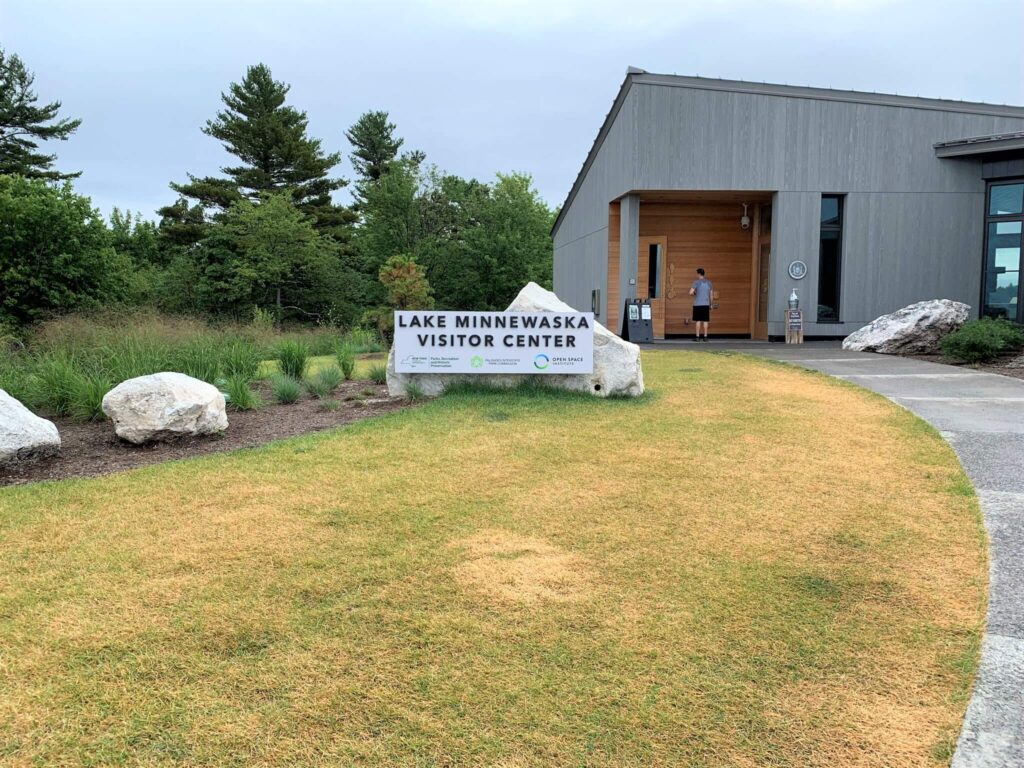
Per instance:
{"type": "Point", "coordinates": [616, 372]}
{"type": "Point", "coordinates": [913, 330]}
{"type": "Point", "coordinates": [164, 405]}
{"type": "Point", "coordinates": [23, 435]}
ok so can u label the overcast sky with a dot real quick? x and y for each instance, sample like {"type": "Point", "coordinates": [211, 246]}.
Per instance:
{"type": "Point", "coordinates": [480, 86]}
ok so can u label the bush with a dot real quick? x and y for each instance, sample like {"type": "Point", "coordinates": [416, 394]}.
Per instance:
{"type": "Point", "coordinates": [346, 361]}
{"type": "Point", "coordinates": [292, 357]}
{"type": "Point", "coordinates": [378, 374]}
{"type": "Point", "coordinates": [241, 358]}
{"type": "Point", "coordinates": [324, 381]}
{"type": "Point", "coordinates": [238, 394]}
{"type": "Point", "coordinates": [285, 389]}
{"type": "Point", "coordinates": [87, 397]}
{"type": "Point", "coordinates": [979, 341]}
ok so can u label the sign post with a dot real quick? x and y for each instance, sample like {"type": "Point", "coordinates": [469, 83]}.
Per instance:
{"type": "Point", "coordinates": [494, 342]}
{"type": "Point", "coordinates": [794, 326]}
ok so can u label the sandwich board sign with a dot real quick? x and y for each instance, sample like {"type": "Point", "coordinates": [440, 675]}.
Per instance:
{"type": "Point", "coordinates": [494, 342]}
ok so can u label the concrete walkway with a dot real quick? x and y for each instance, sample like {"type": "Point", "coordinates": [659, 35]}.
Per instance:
{"type": "Point", "coordinates": [982, 416]}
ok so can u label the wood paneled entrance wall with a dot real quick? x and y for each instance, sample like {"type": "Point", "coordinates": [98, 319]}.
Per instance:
{"type": "Point", "coordinates": [701, 231]}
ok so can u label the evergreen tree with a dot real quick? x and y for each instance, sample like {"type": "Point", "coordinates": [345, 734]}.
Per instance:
{"type": "Point", "coordinates": [276, 155]}
{"type": "Point", "coordinates": [23, 124]}
{"type": "Point", "coordinates": [375, 144]}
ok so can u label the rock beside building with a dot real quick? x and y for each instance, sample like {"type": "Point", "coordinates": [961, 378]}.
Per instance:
{"type": "Point", "coordinates": [164, 405]}
{"type": "Point", "coordinates": [913, 330]}
{"type": "Point", "coordinates": [617, 371]}
{"type": "Point", "coordinates": [23, 435]}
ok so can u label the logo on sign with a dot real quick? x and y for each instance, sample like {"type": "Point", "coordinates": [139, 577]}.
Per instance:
{"type": "Point", "coordinates": [476, 361]}
{"type": "Point", "coordinates": [540, 362]}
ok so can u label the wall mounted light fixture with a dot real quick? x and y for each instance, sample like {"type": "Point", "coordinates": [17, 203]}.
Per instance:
{"type": "Point", "coordinates": [744, 219]}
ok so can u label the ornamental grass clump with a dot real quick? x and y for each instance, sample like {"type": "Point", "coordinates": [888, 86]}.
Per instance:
{"type": "Point", "coordinates": [285, 389]}
{"type": "Point", "coordinates": [346, 360]}
{"type": "Point", "coordinates": [378, 374]}
{"type": "Point", "coordinates": [238, 394]}
{"type": "Point", "coordinates": [979, 341]}
{"type": "Point", "coordinates": [324, 382]}
{"type": "Point", "coordinates": [292, 358]}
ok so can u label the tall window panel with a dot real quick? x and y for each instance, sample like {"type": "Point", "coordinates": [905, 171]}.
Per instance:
{"type": "Point", "coordinates": [1004, 221]}
{"type": "Point", "coordinates": [830, 258]}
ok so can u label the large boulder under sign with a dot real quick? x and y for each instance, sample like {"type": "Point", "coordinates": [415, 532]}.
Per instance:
{"type": "Point", "coordinates": [617, 370]}
{"type": "Point", "coordinates": [913, 330]}
{"type": "Point", "coordinates": [23, 435]}
{"type": "Point", "coordinates": [164, 405]}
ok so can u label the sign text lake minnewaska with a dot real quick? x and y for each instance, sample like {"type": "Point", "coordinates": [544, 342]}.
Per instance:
{"type": "Point", "coordinates": [494, 342]}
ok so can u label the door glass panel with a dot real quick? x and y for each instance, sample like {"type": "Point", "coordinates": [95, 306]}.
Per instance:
{"type": "Point", "coordinates": [766, 220]}
{"type": "Point", "coordinates": [654, 271]}
{"type": "Point", "coordinates": [829, 210]}
{"type": "Point", "coordinates": [1006, 199]}
{"type": "Point", "coordinates": [762, 283]}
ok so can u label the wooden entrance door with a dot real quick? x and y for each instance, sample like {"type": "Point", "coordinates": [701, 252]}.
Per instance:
{"type": "Point", "coordinates": [651, 259]}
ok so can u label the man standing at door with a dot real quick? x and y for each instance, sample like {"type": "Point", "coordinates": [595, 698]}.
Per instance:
{"type": "Point", "coordinates": [701, 292]}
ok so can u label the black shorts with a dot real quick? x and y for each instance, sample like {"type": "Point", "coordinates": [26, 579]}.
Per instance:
{"type": "Point", "coordinates": [701, 314]}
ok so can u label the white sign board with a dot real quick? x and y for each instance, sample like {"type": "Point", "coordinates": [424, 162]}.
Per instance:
{"type": "Point", "coordinates": [494, 342]}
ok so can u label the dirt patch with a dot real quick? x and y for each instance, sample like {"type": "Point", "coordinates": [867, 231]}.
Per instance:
{"type": "Point", "coordinates": [513, 568]}
{"type": "Point", "coordinates": [92, 449]}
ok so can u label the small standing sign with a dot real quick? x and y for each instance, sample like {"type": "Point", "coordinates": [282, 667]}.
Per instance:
{"type": "Point", "coordinates": [794, 326]}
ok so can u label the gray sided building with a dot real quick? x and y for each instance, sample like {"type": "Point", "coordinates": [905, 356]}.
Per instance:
{"type": "Point", "coordinates": [862, 202]}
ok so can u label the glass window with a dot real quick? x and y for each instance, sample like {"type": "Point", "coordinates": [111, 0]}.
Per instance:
{"type": "Point", "coordinates": [1006, 199]}
{"type": "Point", "coordinates": [653, 271]}
{"type": "Point", "coordinates": [1000, 295]}
{"type": "Point", "coordinates": [766, 219]}
{"type": "Point", "coordinates": [830, 210]}
{"type": "Point", "coordinates": [830, 254]}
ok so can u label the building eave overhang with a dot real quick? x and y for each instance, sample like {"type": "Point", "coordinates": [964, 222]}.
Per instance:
{"type": "Point", "coordinates": [980, 145]}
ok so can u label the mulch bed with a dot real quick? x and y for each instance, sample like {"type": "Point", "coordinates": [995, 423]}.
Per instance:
{"type": "Point", "coordinates": [1007, 365]}
{"type": "Point", "coordinates": [92, 449]}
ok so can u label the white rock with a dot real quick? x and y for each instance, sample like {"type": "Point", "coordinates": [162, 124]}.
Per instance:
{"type": "Point", "coordinates": [23, 435]}
{"type": "Point", "coordinates": [617, 368]}
{"type": "Point", "coordinates": [164, 405]}
{"type": "Point", "coordinates": [913, 330]}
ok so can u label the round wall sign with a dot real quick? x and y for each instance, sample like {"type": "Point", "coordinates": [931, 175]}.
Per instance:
{"type": "Point", "coordinates": [797, 270]}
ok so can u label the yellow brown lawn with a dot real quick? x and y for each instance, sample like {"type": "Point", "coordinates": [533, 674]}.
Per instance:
{"type": "Point", "coordinates": [749, 566]}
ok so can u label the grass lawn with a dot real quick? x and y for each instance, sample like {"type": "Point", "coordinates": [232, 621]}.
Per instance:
{"type": "Point", "coordinates": [750, 565]}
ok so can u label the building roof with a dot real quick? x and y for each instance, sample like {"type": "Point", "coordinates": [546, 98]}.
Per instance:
{"type": "Point", "coordinates": [980, 145]}
{"type": "Point", "coordinates": [634, 75]}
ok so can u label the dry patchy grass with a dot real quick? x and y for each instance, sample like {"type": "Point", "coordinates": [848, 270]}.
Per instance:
{"type": "Point", "coordinates": [752, 565]}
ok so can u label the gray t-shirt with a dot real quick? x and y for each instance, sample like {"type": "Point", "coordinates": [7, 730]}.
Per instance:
{"type": "Point", "coordinates": [701, 292]}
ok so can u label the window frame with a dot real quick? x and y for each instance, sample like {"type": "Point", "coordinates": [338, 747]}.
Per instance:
{"type": "Point", "coordinates": [987, 221]}
{"type": "Point", "coordinates": [838, 227]}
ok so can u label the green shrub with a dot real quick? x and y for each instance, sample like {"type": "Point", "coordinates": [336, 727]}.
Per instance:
{"type": "Point", "coordinates": [238, 394]}
{"type": "Point", "coordinates": [285, 389]}
{"type": "Point", "coordinates": [346, 361]}
{"type": "Point", "coordinates": [292, 357]}
{"type": "Point", "coordinates": [241, 358]}
{"type": "Point", "coordinates": [378, 374]}
{"type": "Point", "coordinates": [982, 340]}
{"type": "Point", "coordinates": [324, 381]}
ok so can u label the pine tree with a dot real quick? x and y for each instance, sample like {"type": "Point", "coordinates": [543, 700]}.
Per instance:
{"type": "Point", "coordinates": [276, 155]}
{"type": "Point", "coordinates": [23, 124]}
{"type": "Point", "coordinates": [375, 150]}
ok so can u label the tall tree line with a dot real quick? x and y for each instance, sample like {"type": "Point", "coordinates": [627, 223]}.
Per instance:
{"type": "Point", "coordinates": [267, 231]}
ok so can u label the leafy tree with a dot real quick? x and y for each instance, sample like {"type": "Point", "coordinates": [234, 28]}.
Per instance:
{"type": "Point", "coordinates": [269, 255]}
{"type": "Point", "coordinates": [137, 238]}
{"type": "Point", "coordinates": [55, 252]}
{"type": "Point", "coordinates": [276, 155]}
{"type": "Point", "coordinates": [23, 124]}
